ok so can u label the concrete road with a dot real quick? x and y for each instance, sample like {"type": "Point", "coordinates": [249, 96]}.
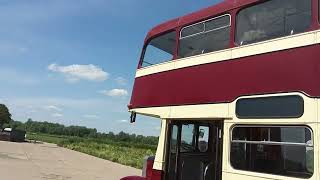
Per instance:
{"type": "Point", "coordinates": [29, 161]}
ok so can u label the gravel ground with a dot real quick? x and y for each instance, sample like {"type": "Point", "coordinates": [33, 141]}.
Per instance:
{"type": "Point", "coordinates": [42, 161]}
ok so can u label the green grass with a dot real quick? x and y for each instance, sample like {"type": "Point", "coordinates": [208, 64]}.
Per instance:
{"type": "Point", "coordinates": [46, 138]}
{"type": "Point", "coordinates": [126, 153]}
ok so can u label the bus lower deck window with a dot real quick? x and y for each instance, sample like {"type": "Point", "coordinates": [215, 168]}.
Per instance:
{"type": "Point", "coordinates": [279, 150]}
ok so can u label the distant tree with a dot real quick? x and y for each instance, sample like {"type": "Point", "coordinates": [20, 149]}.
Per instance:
{"type": "Point", "coordinates": [5, 116]}
{"type": "Point", "coordinates": [82, 132]}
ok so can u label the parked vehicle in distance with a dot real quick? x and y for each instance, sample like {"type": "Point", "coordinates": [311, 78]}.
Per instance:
{"type": "Point", "coordinates": [13, 135]}
{"type": "Point", "coordinates": [236, 87]}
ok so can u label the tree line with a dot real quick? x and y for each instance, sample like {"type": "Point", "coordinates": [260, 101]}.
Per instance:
{"type": "Point", "coordinates": [75, 131]}
{"type": "Point", "coordinates": [78, 131]}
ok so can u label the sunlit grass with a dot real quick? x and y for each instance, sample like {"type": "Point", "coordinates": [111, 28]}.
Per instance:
{"type": "Point", "coordinates": [126, 153]}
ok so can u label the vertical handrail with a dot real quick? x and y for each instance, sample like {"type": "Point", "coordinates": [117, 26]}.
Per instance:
{"type": "Point", "coordinates": [206, 170]}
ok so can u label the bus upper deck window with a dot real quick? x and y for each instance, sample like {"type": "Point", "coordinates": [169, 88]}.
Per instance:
{"type": "Point", "coordinates": [159, 49]}
{"type": "Point", "coordinates": [203, 37]}
{"type": "Point", "coordinates": [272, 19]}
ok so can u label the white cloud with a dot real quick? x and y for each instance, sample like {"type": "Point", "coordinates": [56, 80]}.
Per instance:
{"type": "Point", "coordinates": [115, 92]}
{"type": "Point", "coordinates": [76, 72]}
{"type": "Point", "coordinates": [91, 116]}
{"type": "Point", "coordinates": [56, 115]}
{"type": "Point", "coordinates": [121, 81]}
{"type": "Point", "coordinates": [52, 108]}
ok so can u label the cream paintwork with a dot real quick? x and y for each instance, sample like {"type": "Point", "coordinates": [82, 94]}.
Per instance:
{"type": "Point", "coordinates": [317, 151]}
{"type": "Point", "coordinates": [222, 111]}
{"type": "Point", "coordinates": [283, 43]}
{"type": "Point", "coordinates": [273, 45]}
{"type": "Point", "coordinates": [229, 173]}
{"type": "Point", "coordinates": [309, 115]}
{"type": "Point", "coordinates": [318, 112]}
{"type": "Point", "coordinates": [157, 68]}
{"type": "Point", "coordinates": [317, 142]}
{"type": "Point", "coordinates": [160, 156]}
{"type": "Point", "coordinates": [227, 112]}
{"type": "Point", "coordinates": [318, 37]}
{"type": "Point", "coordinates": [202, 59]}
{"type": "Point", "coordinates": [199, 111]}
{"type": "Point", "coordinates": [207, 111]}
{"type": "Point", "coordinates": [157, 112]}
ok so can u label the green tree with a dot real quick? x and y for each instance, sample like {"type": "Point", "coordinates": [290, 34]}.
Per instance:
{"type": "Point", "coordinates": [5, 116]}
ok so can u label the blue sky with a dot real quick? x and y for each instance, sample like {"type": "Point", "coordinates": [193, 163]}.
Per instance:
{"type": "Point", "coordinates": [73, 62]}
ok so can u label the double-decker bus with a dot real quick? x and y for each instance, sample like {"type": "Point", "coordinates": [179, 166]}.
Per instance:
{"type": "Point", "coordinates": [236, 87]}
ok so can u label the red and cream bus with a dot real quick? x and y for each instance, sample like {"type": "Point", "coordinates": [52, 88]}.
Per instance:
{"type": "Point", "coordinates": [237, 89]}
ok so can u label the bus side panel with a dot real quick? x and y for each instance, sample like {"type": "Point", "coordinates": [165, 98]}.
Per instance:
{"type": "Point", "coordinates": [282, 71]}
{"type": "Point", "coordinates": [156, 175]}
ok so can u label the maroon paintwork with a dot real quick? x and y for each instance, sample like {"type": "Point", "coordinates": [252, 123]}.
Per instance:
{"type": "Point", "coordinates": [221, 8]}
{"type": "Point", "coordinates": [294, 70]}
{"type": "Point", "coordinates": [151, 174]}
{"type": "Point", "coordinates": [227, 6]}
{"type": "Point", "coordinates": [156, 175]}
{"type": "Point", "coordinates": [133, 178]}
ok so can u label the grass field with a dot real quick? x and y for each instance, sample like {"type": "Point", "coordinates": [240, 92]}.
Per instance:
{"type": "Point", "coordinates": [126, 153]}
{"type": "Point", "coordinates": [46, 138]}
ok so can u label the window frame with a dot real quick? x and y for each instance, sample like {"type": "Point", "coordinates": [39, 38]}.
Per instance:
{"type": "Point", "coordinates": [269, 117]}
{"type": "Point", "coordinates": [203, 22]}
{"type": "Point", "coordinates": [194, 138]}
{"type": "Point", "coordinates": [262, 2]}
{"type": "Point", "coordinates": [149, 39]}
{"type": "Point", "coordinates": [272, 143]}
{"type": "Point", "coordinates": [208, 140]}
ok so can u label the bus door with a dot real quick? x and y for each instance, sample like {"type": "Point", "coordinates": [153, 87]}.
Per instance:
{"type": "Point", "coordinates": [194, 150]}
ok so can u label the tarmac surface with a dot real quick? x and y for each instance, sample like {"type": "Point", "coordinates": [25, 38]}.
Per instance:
{"type": "Point", "coordinates": [37, 161]}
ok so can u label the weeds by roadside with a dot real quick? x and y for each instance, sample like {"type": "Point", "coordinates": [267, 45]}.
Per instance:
{"type": "Point", "coordinates": [126, 153]}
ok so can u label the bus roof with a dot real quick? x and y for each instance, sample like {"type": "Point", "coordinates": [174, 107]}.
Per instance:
{"type": "Point", "coordinates": [217, 9]}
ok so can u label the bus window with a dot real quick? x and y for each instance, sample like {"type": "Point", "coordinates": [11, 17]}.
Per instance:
{"type": "Point", "coordinates": [160, 49]}
{"type": "Point", "coordinates": [207, 36]}
{"type": "Point", "coordinates": [272, 19]}
{"type": "Point", "coordinates": [273, 149]}
{"type": "Point", "coordinates": [174, 136]}
{"type": "Point", "coordinates": [187, 138]}
{"type": "Point", "coordinates": [270, 107]}
{"type": "Point", "coordinates": [203, 139]}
